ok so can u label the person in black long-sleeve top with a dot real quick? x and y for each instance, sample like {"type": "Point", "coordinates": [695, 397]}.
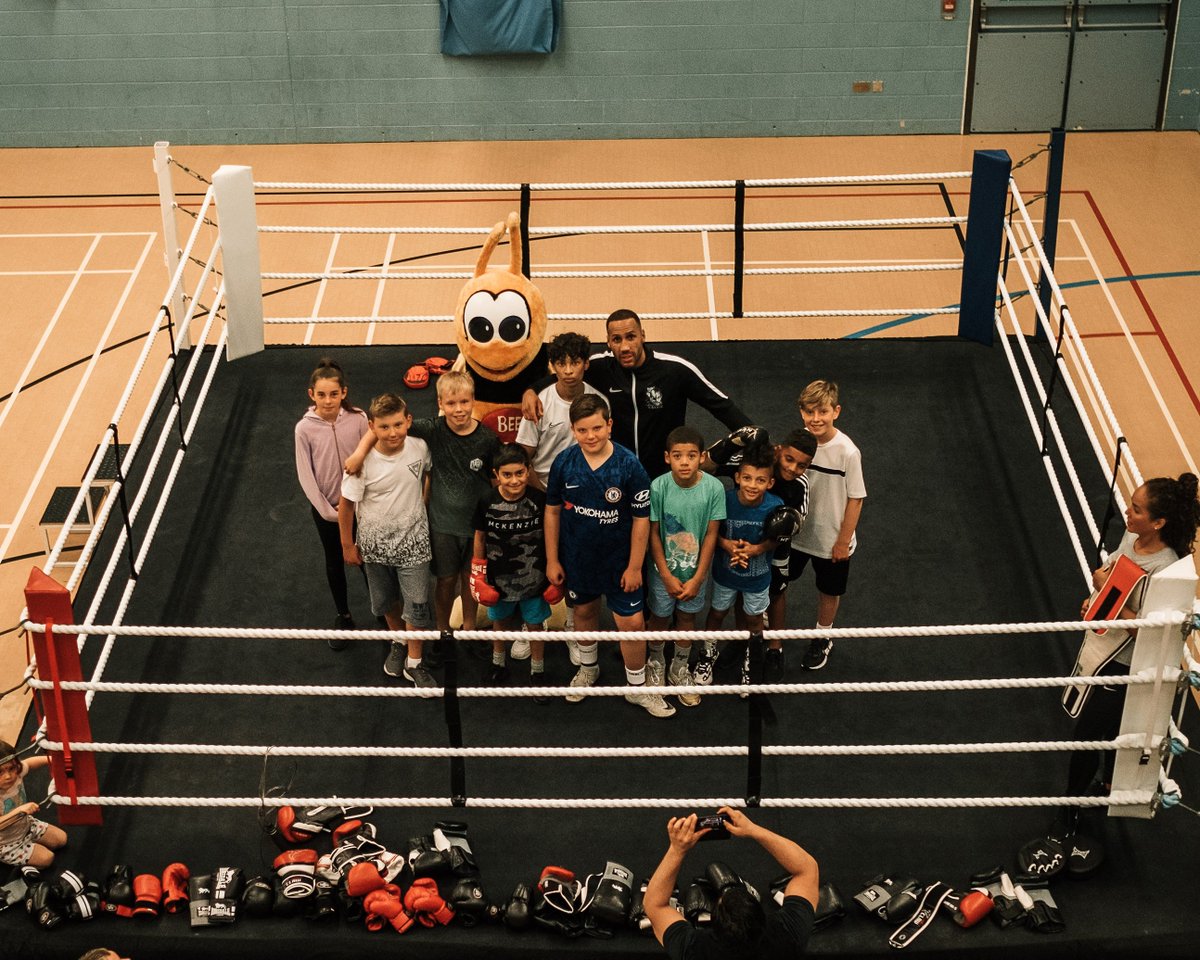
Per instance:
{"type": "Point", "coordinates": [647, 390]}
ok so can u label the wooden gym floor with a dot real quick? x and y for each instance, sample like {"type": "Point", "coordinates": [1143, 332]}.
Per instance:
{"type": "Point", "coordinates": [81, 272]}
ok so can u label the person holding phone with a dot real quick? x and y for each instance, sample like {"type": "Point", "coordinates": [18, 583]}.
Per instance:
{"type": "Point", "coordinates": [740, 927]}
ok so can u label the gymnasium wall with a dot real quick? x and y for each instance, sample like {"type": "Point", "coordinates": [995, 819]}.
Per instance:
{"type": "Point", "coordinates": [112, 72]}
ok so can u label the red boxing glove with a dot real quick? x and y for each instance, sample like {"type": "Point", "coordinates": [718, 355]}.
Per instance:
{"type": "Point", "coordinates": [972, 908]}
{"type": "Point", "coordinates": [174, 885]}
{"type": "Point", "coordinates": [424, 900]}
{"type": "Point", "coordinates": [363, 878]}
{"type": "Point", "coordinates": [481, 590]}
{"type": "Point", "coordinates": [552, 594]}
{"type": "Point", "coordinates": [384, 906]}
{"type": "Point", "coordinates": [147, 892]}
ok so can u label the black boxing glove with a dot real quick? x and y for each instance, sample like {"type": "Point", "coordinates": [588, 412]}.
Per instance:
{"type": "Point", "coordinates": [699, 901]}
{"type": "Point", "coordinates": [1042, 858]}
{"type": "Point", "coordinates": [516, 911]}
{"type": "Point", "coordinates": [877, 891]}
{"type": "Point", "coordinates": [258, 898]}
{"type": "Point", "coordinates": [830, 908]}
{"type": "Point", "coordinates": [451, 836]}
{"type": "Point", "coordinates": [470, 905]}
{"type": "Point", "coordinates": [199, 899]}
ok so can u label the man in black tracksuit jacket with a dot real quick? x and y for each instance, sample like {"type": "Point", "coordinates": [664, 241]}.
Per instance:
{"type": "Point", "coordinates": [647, 391]}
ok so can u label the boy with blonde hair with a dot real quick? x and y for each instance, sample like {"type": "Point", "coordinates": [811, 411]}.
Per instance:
{"type": "Point", "coordinates": [836, 492]}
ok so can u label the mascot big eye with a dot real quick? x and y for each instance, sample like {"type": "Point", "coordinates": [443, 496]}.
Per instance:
{"type": "Point", "coordinates": [501, 333]}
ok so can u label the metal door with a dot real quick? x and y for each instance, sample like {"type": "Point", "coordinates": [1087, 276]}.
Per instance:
{"type": "Point", "coordinates": [1083, 64]}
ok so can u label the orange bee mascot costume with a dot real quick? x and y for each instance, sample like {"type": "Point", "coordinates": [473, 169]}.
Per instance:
{"type": "Point", "coordinates": [501, 333]}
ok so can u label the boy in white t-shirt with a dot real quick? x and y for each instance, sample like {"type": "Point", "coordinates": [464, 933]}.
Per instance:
{"type": "Point", "coordinates": [387, 498]}
{"type": "Point", "coordinates": [835, 498]}
{"type": "Point", "coordinates": [549, 435]}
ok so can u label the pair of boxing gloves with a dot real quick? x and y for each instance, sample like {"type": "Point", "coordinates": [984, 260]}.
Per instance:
{"type": "Point", "coordinates": [489, 596]}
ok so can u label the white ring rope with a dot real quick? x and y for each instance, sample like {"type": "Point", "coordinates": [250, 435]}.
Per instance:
{"type": "Point", "coordinates": [1051, 419]}
{"type": "Point", "coordinates": [1127, 741]}
{"type": "Point", "coordinates": [1085, 569]}
{"type": "Point", "coordinates": [1146, 677]}
{"type": "Point", "coordinates": [1117, 798]}
{"type": "Point", "coordinates": [1159, 619]}
{"type": "Point", "coordinates": [697, 315]}
{"type": "Point", "coordinates": [1073, 332]}
{"type": "Point", "coordinates": [611, 184]}
{"type": "Point", "coordinates": [611, 229]}
{"type": "Point", "coordinates": [346, 274]}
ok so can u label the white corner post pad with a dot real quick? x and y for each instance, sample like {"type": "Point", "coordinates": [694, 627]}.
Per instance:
{"type": "Point", "coordinates": [1159, 651]}
{"type": "Point", "coordinates": [240, 263]}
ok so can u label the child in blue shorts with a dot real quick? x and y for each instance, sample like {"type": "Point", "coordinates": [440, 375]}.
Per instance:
{"type": "Point", "coordinates": [743, 566]}
{"type": "Point", "coordinates": [686, 510]}
{"type": "Point", "coordinates": [508, 572]}
{"type": "Point", "coordinates": [597, 527]}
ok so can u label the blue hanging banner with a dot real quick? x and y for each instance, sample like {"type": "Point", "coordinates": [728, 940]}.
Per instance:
{"type": "Point", "coordinates": [472, 28]}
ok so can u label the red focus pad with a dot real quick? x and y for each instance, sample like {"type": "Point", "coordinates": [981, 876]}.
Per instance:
{"type": "Point", "coordinates": [1122, 579]}
{"type": "Point", "coordinates": [552, 594]}
{"type": "Point", "coordinates": [437, 366]}
{"type": "Point", "coordinates": [416, 377]}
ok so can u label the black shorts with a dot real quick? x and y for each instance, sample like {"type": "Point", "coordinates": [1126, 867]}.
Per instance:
{"type": "Point", "coordinates": [831, 577]}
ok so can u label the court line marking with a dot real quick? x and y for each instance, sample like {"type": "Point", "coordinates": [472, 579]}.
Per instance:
{"type": "Point", "coordinates": [58, 273]}
{"type": "Point", "coordinates": [1150, 314]}
{"type": "Point", "coordinates": [713, 333]}
{"type": "Point", "coordinates": [320, 297]}
{"type": "Point", "coordinates": [104, 233]}
{"type": "Point", "coordinates": [69, 413]}
{"type": "Point", "coordinates": [45, 338]}
{"type": "Point", "coordinates": [380, 286]}
{"type": "Point", "coordinates": [1137, 353]}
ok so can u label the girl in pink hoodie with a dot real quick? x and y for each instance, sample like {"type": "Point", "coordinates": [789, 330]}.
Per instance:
{"type": "Point", "coordinates": [325, 436]}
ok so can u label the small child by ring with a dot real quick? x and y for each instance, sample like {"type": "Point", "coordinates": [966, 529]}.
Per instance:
{"type": "Point", "coordinates": [24, 840]}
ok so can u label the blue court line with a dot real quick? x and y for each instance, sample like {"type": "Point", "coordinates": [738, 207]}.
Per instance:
{"type": "Point", "coordinates": [900, 321]}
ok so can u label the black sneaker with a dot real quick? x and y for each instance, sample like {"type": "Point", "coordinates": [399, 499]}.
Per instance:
{"type": "Point", "coordinates": [393, 666]}
{"type": "Point", "coordinates": [817, 654]}
{"type": "Point", "coordinates": [539, 680]}
{"type": "Point", "coordinates": [497, 676]}
{"type": "Point", "coordinates": [343, 621]}
{"type": "Point", "coordinates": [772, 666]}
{"type": "Point", "coordinates": [420, 677]}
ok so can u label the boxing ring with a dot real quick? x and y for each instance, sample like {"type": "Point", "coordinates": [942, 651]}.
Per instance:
{"type": "Point", "coordinates": [1063, 402]}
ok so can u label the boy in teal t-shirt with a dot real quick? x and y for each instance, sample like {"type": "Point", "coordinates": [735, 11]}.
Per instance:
{"type": "Point", "coordinates": [686, 510]}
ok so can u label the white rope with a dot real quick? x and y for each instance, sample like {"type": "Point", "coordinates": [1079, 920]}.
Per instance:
{"type": "Point", "coordinates": [708, 315]}
{"type": "Point", "coordinates": [600, 274]}
{"type": "Point", "coordinates": [1158, 619]}
{"type": "Point", "coordinates": [1121, 798]}
{"type": "Point", "coordinates": [1072, 332]}
{"type": "Point", "coordinates": [610, 184]}
{"type": "Point", "coordinates": [624, 229]}
{"type": "Point", "coordinates": [717, 689]}
{"type": "Point", "coordinates": [1127, 741]}
{"type": "Point", "coordinates": [1055, 488]}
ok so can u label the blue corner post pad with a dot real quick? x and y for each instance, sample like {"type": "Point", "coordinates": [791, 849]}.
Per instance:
{"type": "Point", "coordinates": [985, 235]}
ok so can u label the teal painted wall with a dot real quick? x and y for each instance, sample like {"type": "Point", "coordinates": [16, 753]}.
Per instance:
{"type": "Point", "coordinates": [112, 72]}
{"type": "Point", "coordinates": [105, 72]}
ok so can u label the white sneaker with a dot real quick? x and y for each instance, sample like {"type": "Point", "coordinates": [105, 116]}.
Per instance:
{"type": "Point", "coordinates": [681, 676]}
{"type": "Point", "coordinates": [703, 674]}
{"type": "Point", "coordinates": [652, 703]}
{"type": "Point", "coordinates": [520, 649]}
{"type": "Point", "coordinates": [655, 672]}
{"type": "Point", "coordinates": [584, 677]}
{"type": "Point", "coordinates": [573, 651]}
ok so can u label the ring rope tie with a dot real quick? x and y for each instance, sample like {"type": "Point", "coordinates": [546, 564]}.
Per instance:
{"type": "Point", "coordinates": [634, 228]}
{"type": "Point", "coordinates": [1125, 742]}
{"type": "Point", "coordinates": [614, 184]}
{"type": "Point", "coordinates": [1146, 677]}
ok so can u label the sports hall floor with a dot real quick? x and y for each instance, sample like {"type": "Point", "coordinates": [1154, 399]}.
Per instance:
{"type": "Point", "coordinates": [80, 277]}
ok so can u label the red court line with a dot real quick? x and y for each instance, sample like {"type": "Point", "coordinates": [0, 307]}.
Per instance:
{"type": "Point", "coordinates": [1118, 333]}
{"type": "Point", "coordinates": [1150, 315]}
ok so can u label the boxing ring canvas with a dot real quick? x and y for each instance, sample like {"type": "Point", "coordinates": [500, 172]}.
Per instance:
{"type": "Point", "coordinates": [959, 520]}
{"type": "Point", "coordinates": [961, 527]}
